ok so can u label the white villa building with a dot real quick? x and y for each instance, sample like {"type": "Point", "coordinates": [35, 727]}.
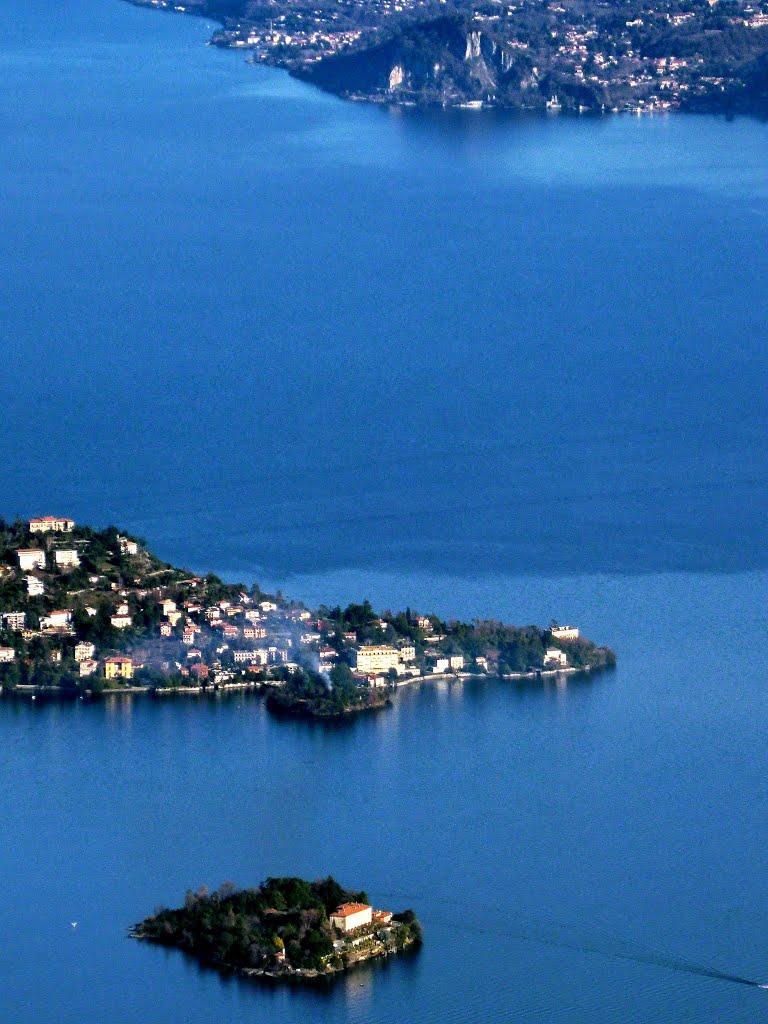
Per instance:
{"type": "Point", "coordinates": [349, 916]}
{"type": "Point", "coordinates": [84, 651]}
{"type": "Point", "coordinates": [565, 632]}
{"type": "Point", "coordinates": [553, 657]}
{"type": "Point", "coordinates": [128, 547]}
{"type": "Point", "coordinates": [56, 620]}
{"type": "Point", "coordinates": [378, 658]}
{"type": "Point", "coordinates": [50, 524]}
{"type": "Point", "coordinates": [66, 557]}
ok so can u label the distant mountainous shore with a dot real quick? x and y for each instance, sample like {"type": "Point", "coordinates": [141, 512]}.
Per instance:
{"type": "Point", "coordinates": [708, 56]}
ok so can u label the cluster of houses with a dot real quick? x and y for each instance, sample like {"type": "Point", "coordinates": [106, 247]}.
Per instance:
{"type": "Point", "coordinates": [219, 640]}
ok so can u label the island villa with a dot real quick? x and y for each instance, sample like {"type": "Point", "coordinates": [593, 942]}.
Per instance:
{"type": "Point", "coordinates": [351, 916]}
{"type": "Point", "coordinates": [564, 633]}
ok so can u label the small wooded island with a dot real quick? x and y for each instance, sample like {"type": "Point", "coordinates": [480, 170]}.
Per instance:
{"type": "Point", "coordinates": [287, 929]}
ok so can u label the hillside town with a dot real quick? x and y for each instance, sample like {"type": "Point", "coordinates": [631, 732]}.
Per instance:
{"type": "Point", "coordinates": [550, 55]}
{"type": "Point", "coordinates": [91, 611]}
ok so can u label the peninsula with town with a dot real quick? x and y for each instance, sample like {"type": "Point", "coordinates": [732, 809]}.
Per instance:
{"type": "Point", "coordinates": [88, 612]}
{"type": "Point", "coordinates": [578, 56]}
{"type": "Point", "coordinates": [287, 929]}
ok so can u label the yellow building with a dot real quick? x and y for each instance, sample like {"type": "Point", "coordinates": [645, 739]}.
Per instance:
{"type": "Point", "coordinates": [118, 668]}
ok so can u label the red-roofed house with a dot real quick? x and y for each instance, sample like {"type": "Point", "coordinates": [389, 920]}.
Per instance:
{"type": "Point", "coordinates": [118, 667]}
{"type": "Point", "coordinates": [349, 916]}
{"type": "Point", "coordinates": [50, 524]}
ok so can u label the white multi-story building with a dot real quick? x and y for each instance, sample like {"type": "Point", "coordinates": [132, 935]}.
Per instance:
{"type": "Point", "coordinates": [407, 652]}
{"type": "Point", "coordinates": [349, 916]}
{"type": "Point", "coordinates": [456, 662]}
{"type": "Point", "coordinates": [88, 667]}
{"type": "Point", "coordinates": [84, 651]}
{"type": "Point", "coordinates": [50, 524]}
{"type": "Point", "coordinates": [66, 557]}
{"type": "Point", "coordinates": [128, 547]}
{"type": "Point", "coordinates": [14, 620]}
{"type": "Point", "coordinates": [376, 658]}
{"type": "Point", "coordinates": [121, 621]}
{"type": "Point", "coordinates": [31, 558]}
{"type": "Point", "coordinates": [35, 587]}
{"type": "Point", "coordinates": [7, 654]}
{"type": "Point", "coordinates": [258, 657]}
{"type": "Point", "coordinates": [565, 632]}
{"type": "Point", "coordinates": [56, 620]}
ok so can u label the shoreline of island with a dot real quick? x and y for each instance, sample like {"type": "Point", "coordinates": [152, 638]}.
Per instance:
{"type": "Point", "coordinates": [88, 614]}
{"type": "Point", "coordinates": [286, 930]}
{"type": "Point", "coordinates": [216, 691]}
{"type": "Point", "coordinates": [467, 61]}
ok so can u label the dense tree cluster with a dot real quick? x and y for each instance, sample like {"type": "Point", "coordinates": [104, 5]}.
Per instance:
{"type": "Point", "coordinates": [305, 691]}
{"type": "Point", "coordinates": [252, 928]}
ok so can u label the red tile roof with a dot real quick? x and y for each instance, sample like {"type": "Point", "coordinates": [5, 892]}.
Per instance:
{"type": "Point", "coordinates": [347, 909]}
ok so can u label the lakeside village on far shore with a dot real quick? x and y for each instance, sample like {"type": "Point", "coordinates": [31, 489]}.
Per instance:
{"type": "Point", "coordinates": [93, 611]}
{"type": "Point", "coordinates": [578, 56]}
{"type": "Point", "coordinates": [287, 929]}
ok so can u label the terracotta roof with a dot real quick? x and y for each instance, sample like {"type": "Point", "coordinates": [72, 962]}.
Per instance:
{"type": "Point", "coordinates": [119, 660]}
{"type": "Point", "coordinates": [347, 909]}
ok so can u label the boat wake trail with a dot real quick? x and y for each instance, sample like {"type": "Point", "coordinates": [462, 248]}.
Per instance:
{"type": "Point", "coordinates": [601, 941]}
{"type": "Point", "coordinates": [619, 948]}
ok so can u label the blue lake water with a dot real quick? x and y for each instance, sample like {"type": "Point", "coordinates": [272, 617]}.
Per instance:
{"type": "Point", "coordinates": [467, 362]}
